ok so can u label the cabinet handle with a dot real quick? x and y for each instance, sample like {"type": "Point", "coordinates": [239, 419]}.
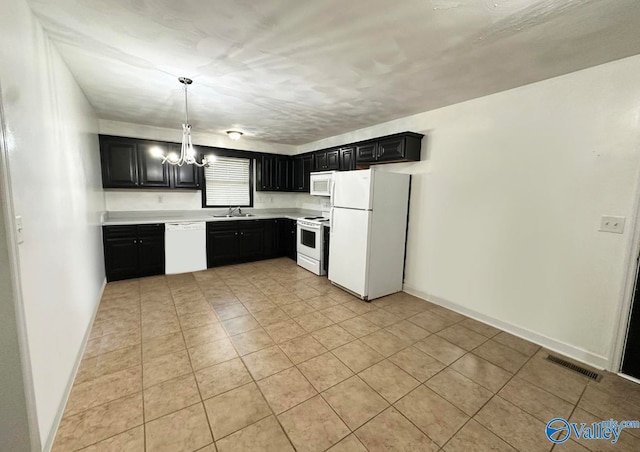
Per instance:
{"type": "Point", "coordinates": [242, 233]}
{"type": "Point", "coordinates": [140, 240]}
{"type": "Point", "coordinates": [135, 241]}
{"type": "Point", "coordinates": [236, 233]}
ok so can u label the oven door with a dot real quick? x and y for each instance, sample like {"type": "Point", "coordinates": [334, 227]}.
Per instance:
{"type": "Point", "coordinates": [310, 241]}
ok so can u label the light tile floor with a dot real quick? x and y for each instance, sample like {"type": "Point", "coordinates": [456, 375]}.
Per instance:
{"type": "Point", "coordinates": [267, 356]}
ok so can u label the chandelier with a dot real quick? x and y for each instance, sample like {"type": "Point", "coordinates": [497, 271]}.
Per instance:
{"type": "Point", "coordinates": [187, 153]}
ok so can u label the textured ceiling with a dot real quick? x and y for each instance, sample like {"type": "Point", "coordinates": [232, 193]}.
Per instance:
{"type": "Point", "coordinates": [295, 71]}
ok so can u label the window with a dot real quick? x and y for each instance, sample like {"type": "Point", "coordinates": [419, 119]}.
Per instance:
{"type": "Point", "coordinates": [228, 183]}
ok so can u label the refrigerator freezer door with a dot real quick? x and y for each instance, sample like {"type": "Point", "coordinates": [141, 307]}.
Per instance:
{"type": "Point", "coordinates": [348, 249]}
{"type": "Point", "coordinates": [353, 189]}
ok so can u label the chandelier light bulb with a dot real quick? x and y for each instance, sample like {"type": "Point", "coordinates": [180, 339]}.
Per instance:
{"type": "Point", "coordinates": [234, 134]}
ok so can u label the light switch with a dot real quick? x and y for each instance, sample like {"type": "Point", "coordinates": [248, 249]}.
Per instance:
{"type": "Point", "coordinates": [19, 230]}
{"type": "Point", "coordinates": [612, 224]}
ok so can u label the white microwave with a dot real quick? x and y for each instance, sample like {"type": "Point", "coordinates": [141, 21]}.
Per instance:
{"type": "Point", "coordinates": [321, 183]}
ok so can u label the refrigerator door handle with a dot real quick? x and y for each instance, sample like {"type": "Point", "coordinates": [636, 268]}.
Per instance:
{"type": "Point", "coordinates": [331, 221]}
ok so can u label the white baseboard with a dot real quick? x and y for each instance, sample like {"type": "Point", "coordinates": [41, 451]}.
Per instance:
{"type": "Point", "coordinates": [571, 351]}
{"type": "Point", "coordinates": [56, 423]}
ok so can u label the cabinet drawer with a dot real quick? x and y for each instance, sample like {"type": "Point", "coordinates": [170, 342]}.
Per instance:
{"type": "Point", "coordinates": [118, 232]}
{"type": "Point", "coordinates": [151, 230]}
{"type": "Point", "coordinates": [222, 225]}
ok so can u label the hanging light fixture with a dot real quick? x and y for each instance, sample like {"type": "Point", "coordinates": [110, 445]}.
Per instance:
{"type": "Point", "coordinates": [187, 153]}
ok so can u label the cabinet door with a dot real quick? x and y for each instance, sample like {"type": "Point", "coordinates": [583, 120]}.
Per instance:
{"type": "Point", "coordinates": [333, 160]}
{"type": "Point", "coordinates": [301, 173]}
{"type": "Point", "coordinates": [151, 256]}
{"type": "Point", "coordinates": [185, 176]}
{"type": "Point", "coordinates": [222, 244]}
{"type": "Point", "coordinates": [366, 152]}
{"type": "Point", "coordinates": [290, 240]}
{"type": "Point", "coordinates": [283, 181]}
{"type": "Point", "coordinates": [319, 161]}
{"type": "Point", "coordinates": [347, 160]}
{"type": "Point", "coordinates": [251, 240]}
{"type": "Point", "coordinates": [121, 258]}
{"type": "Point", "coordinates": [119, 163]}
{"type": "Point", "coordinates": [151, 171]}
{"type": "Point", "coordinates": [392, 149]}
{"type": "Point", "coordinates": [270, 239]}
{"type": "Point", "coordinates": [282, 235]}
{"type": "Point", "coordinates": [151, 250]}
{"type": "Point", "coordinates": [267, 174]}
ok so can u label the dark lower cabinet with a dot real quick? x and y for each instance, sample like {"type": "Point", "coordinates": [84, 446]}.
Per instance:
{"type": "Point", "coordinates": [222, 243]}
{"type": "Point", "coordinates": [290, 238]}
{"type": "Point", "coordinates": [133, 251]}
{"type": "Point", "coordinates": [274, 235]}
{"type": "Point", "coordinates": [251, 240]}
{"type": "Point", "coordinates": [151, 253]}
{"type": "Point", "coordinates": [231, 242]}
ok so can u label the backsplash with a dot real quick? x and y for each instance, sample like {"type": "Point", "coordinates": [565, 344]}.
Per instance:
{"type": "Point", "coordinates": [137, 200]}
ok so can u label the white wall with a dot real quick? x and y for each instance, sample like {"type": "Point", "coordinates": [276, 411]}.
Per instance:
{"type": "Point", "coordinates": [55, 175]}
{"type": "Point", "coordinates": [506, 205]}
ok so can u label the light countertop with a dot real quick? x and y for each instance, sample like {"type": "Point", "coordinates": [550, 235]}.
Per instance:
{"type": "Point", "coordinates": [183, 216]}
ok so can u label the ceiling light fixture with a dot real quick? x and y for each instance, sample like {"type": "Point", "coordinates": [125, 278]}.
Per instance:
{"type": "Point", "coordinates": [234, 134]}
{"type": "Point", "coordinates": [187, 153]}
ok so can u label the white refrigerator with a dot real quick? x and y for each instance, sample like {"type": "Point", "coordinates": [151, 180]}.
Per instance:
{"type": "Point", "coordinates": [368, 232]}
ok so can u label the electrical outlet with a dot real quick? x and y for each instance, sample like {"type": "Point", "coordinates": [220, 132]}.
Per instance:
{"type": "Point", "coordinates": [612, 224]}
{"type": "Point", "coordinates": [19, 230]}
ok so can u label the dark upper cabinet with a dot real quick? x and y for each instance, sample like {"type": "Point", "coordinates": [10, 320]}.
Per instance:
{"type": "Point", "coordinates": [266, 173]}
{"type": "Point", "coordinates": [284, 174]}
{"type": "Point", "coordinates": [133, 163]}
{"type": "Point", "coordinates": [401, 147]}
{"type": "Point", "coordinates": [366, 152]}
{"type": "Point", "coordinates": [393, 149]}
{"type": "Point", "coordinates": [119, 163]}
{"type": "Point", "coordinates": [251, 240]}
{"type": "Point", "coordinates": [133, 251]}
{"type": "Point", "coordinates": [347, 159]}
{"type": "Point", "coordinates": [326, 160]}
{"type": "Point", "coordinates": [333, 160]}
{"type": "Point", "coordinates": [185, 176]}
{"type": "Point", "coordinates": [222, 243]}
{"type": "Point", "coordinates": [151, 171]}
{"type": "Point", "coordinates": [301, 173]}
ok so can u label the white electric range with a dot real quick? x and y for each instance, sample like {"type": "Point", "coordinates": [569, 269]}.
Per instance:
{"type": "Point", "coordinates": [310, 245]}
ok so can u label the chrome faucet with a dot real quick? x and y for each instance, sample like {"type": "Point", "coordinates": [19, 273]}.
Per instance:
{"type": "Point", "coordinates": [232, 209]}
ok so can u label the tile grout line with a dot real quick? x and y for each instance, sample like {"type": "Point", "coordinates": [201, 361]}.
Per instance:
{"type": "Point", "coordinates": [193, 372]}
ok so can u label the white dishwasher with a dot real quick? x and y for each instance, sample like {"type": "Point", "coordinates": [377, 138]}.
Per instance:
{"type": "Point", "coordinates": [185, 247]}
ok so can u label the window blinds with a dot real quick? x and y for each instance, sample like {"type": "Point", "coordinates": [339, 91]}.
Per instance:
{"type": "Point", "coordinates": [227, 182]}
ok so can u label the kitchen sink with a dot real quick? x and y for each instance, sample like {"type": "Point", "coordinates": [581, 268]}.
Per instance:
{"type": "Point", "coordinates": [236, 215]}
